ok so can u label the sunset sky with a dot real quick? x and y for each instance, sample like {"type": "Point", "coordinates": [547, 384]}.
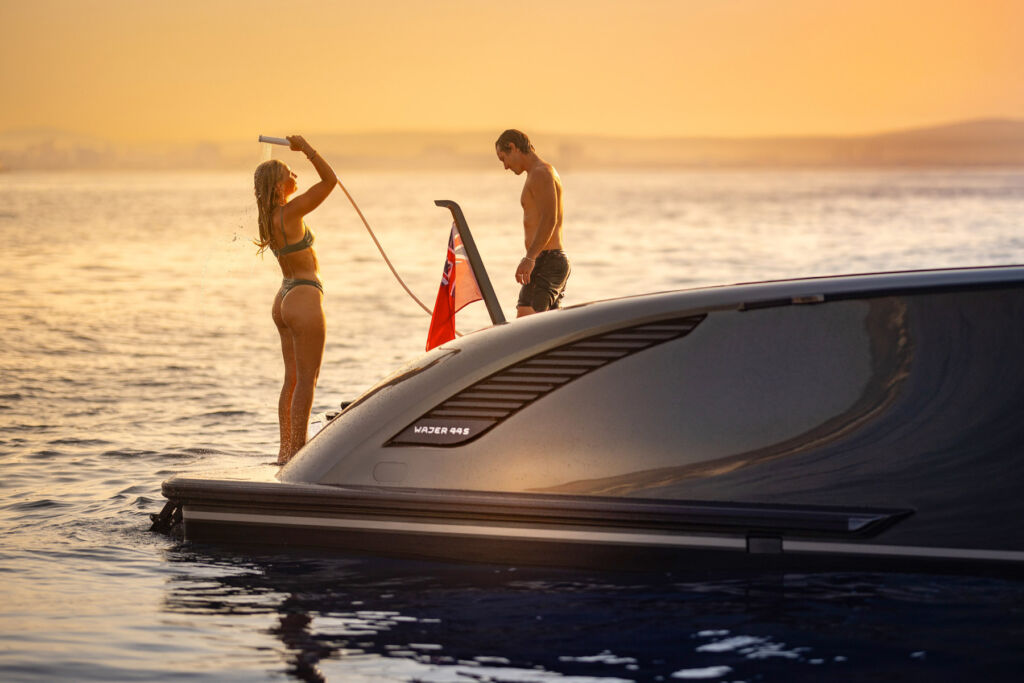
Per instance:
{"type": "Point", "coordinates": [135, 70]}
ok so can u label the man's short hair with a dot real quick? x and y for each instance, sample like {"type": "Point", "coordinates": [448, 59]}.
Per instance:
{"type": "Point", "coordinates": [514, 138]}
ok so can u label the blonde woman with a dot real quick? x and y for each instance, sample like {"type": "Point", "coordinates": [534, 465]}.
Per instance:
{"type": "Point", "coordinates": [298, 307]}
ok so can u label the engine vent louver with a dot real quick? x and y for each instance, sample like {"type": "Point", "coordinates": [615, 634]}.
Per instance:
{"type": "Point", "coordinates": [479, 407]}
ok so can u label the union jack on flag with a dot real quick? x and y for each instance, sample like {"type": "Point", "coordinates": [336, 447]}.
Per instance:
{"type": "Point", "coordinates": [458, 289]}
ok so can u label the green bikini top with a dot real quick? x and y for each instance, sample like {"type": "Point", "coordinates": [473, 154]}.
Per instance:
{"type": "Point", "coordinates": [305, 243]}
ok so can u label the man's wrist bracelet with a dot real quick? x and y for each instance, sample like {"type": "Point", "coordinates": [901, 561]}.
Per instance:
{"type": "Point", "coordinates": [531, 260]}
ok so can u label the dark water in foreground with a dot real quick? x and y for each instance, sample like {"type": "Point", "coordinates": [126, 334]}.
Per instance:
{"type": "Point", "coordinates": [337, 619]}
{"type": "Point", "coordinates": [137, 345]}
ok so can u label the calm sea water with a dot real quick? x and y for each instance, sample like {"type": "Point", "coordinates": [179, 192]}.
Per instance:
{"type": "Point", "coordinates": [137, 343]}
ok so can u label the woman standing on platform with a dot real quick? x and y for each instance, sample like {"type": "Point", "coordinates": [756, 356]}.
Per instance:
{"type": "Point", "coordinates": [298, 308]}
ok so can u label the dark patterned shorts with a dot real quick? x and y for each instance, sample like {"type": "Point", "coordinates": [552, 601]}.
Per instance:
{"type": "Point", "coordinates": [547, 281]}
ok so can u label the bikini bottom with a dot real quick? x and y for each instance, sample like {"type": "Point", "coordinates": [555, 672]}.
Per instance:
{"type": "Point", "coordinates": [288, 284]}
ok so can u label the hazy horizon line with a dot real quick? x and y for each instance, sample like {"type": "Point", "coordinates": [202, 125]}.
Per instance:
{"type": "Point", "coordinates": [974, 142]}
{"type": "Point", "coordinates": [640, 137]}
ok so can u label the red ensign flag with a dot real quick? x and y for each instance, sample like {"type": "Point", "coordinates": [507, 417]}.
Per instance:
{"type": "Point", "coordinates": [458, 288]}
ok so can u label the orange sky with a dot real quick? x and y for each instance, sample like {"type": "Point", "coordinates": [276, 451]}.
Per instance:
{"type": "Point", "coordinates": [227, 69]}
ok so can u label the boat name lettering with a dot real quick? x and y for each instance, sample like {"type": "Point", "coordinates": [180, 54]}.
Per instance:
{"type": "Point", "coordinates": [431, 429]}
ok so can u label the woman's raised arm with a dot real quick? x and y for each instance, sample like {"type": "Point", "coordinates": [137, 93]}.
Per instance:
{"type": "Point", "coordinates": [314, 196]}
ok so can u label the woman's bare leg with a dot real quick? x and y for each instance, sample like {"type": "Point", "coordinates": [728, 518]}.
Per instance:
{"type": "Point", "coordinates": [284, 403]}
{"type": "Point", "coordinates": [303, 315]}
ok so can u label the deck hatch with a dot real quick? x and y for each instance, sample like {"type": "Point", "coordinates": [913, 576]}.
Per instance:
{"type": "Point", "coordinates": [479, 407]}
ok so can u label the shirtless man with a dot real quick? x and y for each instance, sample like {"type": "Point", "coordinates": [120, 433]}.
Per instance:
{"type": "Point", "coordinates": [544, 270]}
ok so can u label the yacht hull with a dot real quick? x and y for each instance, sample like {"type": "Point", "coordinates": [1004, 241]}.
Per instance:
{"type": "Point", "coordinates": [859, 419]}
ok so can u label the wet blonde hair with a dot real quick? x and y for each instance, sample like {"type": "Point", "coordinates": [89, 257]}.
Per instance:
{"type": "Point", "coordinates": [268, 176]}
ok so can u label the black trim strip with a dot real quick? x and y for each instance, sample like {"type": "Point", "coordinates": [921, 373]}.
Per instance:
{"type": "Point", "coordinates": [530, 509]}
{"type": "Point", "coordinates": [895, 290]}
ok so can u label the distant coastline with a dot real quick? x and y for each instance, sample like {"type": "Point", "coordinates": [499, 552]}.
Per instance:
{"type": "Point", "coordinates": [983, 142]}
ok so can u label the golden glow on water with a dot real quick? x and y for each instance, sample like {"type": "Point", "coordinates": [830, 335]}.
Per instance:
{"type": "Point", "coordinates": [138, 344]}
{"type": "Point", "coordinates": [230, 69]}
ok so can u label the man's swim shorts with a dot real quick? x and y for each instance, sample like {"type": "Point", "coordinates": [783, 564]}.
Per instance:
{"type": "Point", "coordinates": [547, 281]}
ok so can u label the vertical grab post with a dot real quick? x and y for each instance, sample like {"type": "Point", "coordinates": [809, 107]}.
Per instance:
{"type": "Point", "coordinates": [477, 263]}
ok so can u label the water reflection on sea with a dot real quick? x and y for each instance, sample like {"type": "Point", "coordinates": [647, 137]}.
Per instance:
{"type": "Point", "coordinates": [367, 619]}
{"type": "Point", "coordinates": [138, 344]}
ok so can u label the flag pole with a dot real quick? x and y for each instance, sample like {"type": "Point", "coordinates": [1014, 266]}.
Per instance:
{"type": "Point", "coordinates": [477, 263]}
